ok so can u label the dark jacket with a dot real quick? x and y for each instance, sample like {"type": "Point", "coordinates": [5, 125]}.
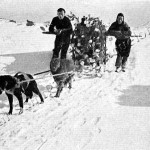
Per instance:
{"type": "Point", "coordinates": [123, 28]}
{"type": "Point", "coordinates": [63, 24]}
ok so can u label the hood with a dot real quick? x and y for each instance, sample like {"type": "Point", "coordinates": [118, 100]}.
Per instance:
{"type": "Point", "coordinates": [120, 14]}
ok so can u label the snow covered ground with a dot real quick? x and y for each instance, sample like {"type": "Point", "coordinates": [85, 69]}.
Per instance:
{"type": "Point", "coordinates": [107, 113]}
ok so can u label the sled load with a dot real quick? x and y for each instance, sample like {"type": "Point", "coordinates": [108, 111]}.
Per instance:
{"type": "Point", "coordinates": [88, 41]}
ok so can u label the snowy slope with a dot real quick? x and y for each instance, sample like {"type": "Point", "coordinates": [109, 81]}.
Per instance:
{"type": "Point", "coordinates": [19, 38]}
{"type": "Point", "coordinates": [107, 113]}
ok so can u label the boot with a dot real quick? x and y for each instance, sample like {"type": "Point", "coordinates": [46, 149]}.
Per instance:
{"type": "Point", "coordinates": [123, 69]}
{"type": "Point", "coordinates": [117, 69]}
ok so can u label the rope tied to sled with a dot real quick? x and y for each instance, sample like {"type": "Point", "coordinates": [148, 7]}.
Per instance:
{"type": "Point", "coordinates": [46, 77]}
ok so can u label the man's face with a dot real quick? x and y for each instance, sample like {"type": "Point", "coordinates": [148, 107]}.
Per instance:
{"type": "Point", "coordinates": [61, 14]}
{"type": "Point", "coordinates": [120, 19]}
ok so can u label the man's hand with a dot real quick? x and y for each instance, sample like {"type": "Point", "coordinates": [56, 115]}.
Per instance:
{"type": "Point", "coordinates": [118, 34]}
{"type": "Point", "coordinates": [113, 33]}
{"type": "Point", "coordinates": [121, 35]}
{"type": "Point", "coordinates": [57, 31]}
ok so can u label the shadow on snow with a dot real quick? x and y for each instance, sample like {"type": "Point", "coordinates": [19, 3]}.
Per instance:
{"type": "Point", "coordinates": [135, 96]}
{"type": "Point", "coordinates": [29, 62]}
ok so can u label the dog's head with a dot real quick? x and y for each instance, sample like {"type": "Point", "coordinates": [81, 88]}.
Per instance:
{"type": "Point", "coordinates": [54, 64]}
{"type": "Point", "coordinates": [7, 82]}
{"type": "Point", "coordinates": [2, 84]}
{"type": "Point", "coordinates": [21, 76]}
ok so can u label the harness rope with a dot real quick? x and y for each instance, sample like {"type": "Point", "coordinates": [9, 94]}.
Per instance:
{"type": "Point", "coordinates": [45, 77]}
{"type": "Point", "coordinates": [52, 76]}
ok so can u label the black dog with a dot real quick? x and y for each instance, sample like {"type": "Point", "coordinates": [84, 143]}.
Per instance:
{"type": "Point", "coordinates": [12, 86]}
{"type": "Point", "coordinates": [28, 85]}
{"type": "Point", "coordinates": [60, 67]}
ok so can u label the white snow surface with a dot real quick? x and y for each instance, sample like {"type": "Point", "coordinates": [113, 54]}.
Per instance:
{"type": "Point", "coordinates": [99, 113]}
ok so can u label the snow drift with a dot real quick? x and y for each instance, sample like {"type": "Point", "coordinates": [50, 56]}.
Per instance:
{"type": "Point", "coordinates": [99, 113]}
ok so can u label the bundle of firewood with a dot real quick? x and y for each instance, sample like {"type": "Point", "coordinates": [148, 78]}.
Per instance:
{"type": "Point", "coordinates": [88, 40]}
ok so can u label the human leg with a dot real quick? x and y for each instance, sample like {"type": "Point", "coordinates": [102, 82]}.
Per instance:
{"type": "Point", "coordinates": [118, 61]}
{"type": "Point", "coordinates": [126, 54]}
{"type": "Point", "coordinates": [64, 49]}
{"type": "Point", "coordinates": [56, 49]}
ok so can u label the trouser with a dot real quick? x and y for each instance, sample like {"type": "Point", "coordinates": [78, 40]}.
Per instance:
{"type": "Point", "coordinates": [123, 50]}
{"type": "Point", "coordinates": [121, 61]}
{"type": "Point", "coordinates": [61, 46]}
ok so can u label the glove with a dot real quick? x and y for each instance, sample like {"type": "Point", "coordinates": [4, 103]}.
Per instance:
{"type": "Point", "coordinates": [118, 33]}
{"type": "Point", "coordinates": [57, 31]}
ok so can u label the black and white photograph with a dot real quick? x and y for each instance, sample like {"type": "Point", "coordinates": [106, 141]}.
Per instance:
{"type": "Point", "coordinates": [74, 75]}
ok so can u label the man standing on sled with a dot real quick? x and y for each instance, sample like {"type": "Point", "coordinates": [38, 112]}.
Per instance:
{"type": "Point", "coordinates": [61, 26]}
{"type": "Point", "coordinates": [122, 32]}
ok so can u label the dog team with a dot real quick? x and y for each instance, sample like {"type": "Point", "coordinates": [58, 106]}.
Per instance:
{"type": "Point", "coordinates": [61, 26]}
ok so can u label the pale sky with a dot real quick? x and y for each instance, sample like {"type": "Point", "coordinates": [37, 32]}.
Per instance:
{"type": "Point", "coordinates": [136, 11]}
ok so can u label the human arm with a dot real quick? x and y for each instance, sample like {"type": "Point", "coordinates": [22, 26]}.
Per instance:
{"type": "Point", "coordinates": [52, 25]}
{"type": "Point", "coordinates": [122, 32]}
{"type": "Point", "coordinates": [68, 26]}
{"type": "Point", "coordinates": [126, 30]}
{"type": "Point", "coordinates": [113, 30]}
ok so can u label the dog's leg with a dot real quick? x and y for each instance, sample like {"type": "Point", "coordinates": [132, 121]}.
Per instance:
{"type": "Point", "coordinates": [27, 98]}
{"type": "Point", "coordinates": [59, 89]}
{"type": "Point", "coordinates": [10, 98]}
{"type": "Point", "coordinates": [28, 92]}
{"type": "Point", "coordinates": [70, 84]}
{"type": "Point", "coordinates": [70, 81]}
{"type": "Point", "coordinates": [36, 91]}
{"type": "Point", "coordinates": [18, 94]}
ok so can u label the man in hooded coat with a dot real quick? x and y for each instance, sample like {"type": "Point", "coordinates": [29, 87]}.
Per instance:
{"type": "Point", "coordinates": [122, 32]}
